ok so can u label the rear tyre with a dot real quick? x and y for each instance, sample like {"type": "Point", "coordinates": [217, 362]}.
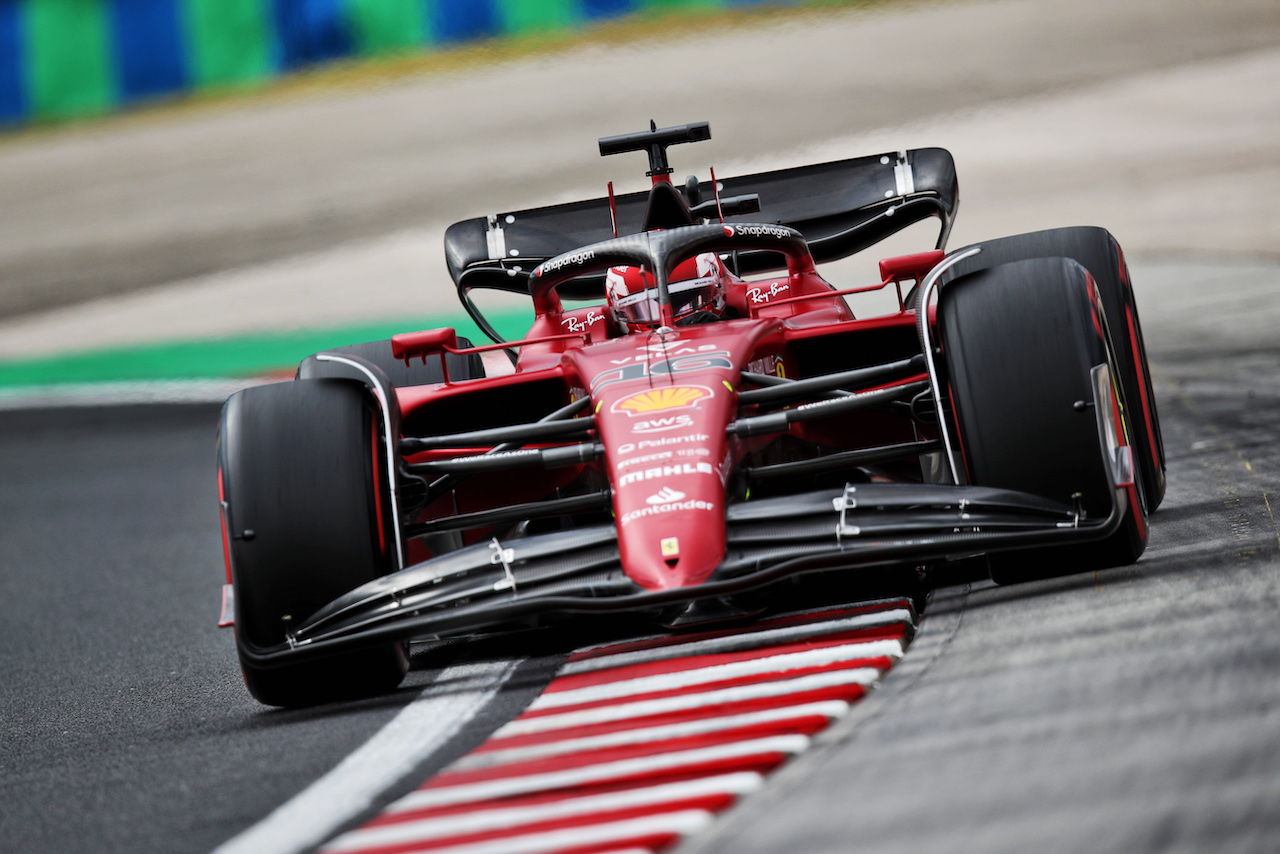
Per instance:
{"type": "Point", "coordinates": [1097, 251]}
{"type": "Point", "coordinates": [307, 522]}
{"type": "Point", "coordinates": [1020, 341]}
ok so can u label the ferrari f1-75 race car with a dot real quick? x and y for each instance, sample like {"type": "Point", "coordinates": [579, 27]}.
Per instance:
{"type": "Point", "coordinates": [695, 419]}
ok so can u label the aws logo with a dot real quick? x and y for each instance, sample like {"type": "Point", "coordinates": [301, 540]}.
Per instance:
{"type": "Point", "coordinates": [662, 425]}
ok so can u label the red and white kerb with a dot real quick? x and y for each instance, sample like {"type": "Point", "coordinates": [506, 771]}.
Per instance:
{"type": "Point", "coordinates": [635, 746]}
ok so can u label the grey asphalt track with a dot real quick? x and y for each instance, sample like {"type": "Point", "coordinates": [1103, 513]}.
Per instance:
{"type": "Point", "coordinates": [126, 726]}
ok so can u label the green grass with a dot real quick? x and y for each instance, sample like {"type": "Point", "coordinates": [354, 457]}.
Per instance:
{"type": "Point", "coordinates": [263, 354]}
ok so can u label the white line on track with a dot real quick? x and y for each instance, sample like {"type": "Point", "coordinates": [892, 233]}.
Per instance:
{"type": "Point", "coordinates": [779, 688]}
{"type": "Point", "coordinates": [719, 672]}
{"type": "Point", "coordinates": [744, 640]}
{"type": "Point", "coordinates": [421, 728]}
{"type": "Point", "coordinates": [482, 820]}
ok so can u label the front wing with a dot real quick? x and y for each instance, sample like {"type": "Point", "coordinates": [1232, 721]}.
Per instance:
{"type": "Point", "coordinates": [500, 584]}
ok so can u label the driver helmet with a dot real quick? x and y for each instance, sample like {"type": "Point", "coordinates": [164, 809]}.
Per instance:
{"type": "Point", "coordinates": [695, 285]}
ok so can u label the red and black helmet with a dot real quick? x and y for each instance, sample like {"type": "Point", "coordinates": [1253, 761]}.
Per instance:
{"type": "Point", "coordinates": [695, 285]}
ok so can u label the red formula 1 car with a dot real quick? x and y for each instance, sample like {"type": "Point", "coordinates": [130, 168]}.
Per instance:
{"type": "Point", "coordinates": [712, 425]}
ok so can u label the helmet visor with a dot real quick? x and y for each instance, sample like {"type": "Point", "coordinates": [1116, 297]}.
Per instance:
{"type": "Point", "coordinates": [686, 297]}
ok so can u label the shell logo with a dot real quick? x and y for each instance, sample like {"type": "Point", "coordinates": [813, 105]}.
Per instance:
{"type": "Point", "coordinates": [662, 399]}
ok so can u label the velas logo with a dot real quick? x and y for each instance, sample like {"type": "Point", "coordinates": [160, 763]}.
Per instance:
{"type": "Point", "coordinates": [662, 399]}
{"type": "Point", "coordinates": [665, 495]}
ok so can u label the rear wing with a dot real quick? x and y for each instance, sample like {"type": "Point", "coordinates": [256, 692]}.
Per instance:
{"type": "Point", "coordinates": [840, 207]}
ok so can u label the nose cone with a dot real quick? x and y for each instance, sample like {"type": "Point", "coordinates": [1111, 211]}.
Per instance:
{"type": "Point", "coordinates": [668, 457]}
{"type": "Point", "coordinates": [671, 533]}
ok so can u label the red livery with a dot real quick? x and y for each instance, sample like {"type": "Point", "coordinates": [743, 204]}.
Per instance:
{"type": "Point", "coordinates": [706, 423]}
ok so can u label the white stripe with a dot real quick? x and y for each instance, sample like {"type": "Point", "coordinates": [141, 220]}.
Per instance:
{"type": "Point", "coordinates": [618, 711]}
{"type": "Point", "coordinates": [513, 817]}
{"type": "Point", "coordinates": [719, 672]}
{"type": "Point", "coordinates": [681, 824]}
{"type": "Point", "coordinates": [741, 641]}
{"type": "Point", "coordinates": [421, 728]}
{"type": "Point", "coordinates": [830, 709]}
{"type": "Point", "coordinates": [508, 786]}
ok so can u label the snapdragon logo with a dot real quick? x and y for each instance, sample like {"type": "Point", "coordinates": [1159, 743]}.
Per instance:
{"type": "Point", "coordinates": [758, 231]}
{"type": "Point", "coordinates": [563, 261]}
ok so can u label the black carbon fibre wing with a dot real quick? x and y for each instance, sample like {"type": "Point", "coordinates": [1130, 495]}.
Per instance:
{"type": "Point", "coordinates": [840, 207]}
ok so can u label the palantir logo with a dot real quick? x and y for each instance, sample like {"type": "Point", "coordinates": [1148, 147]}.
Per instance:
{"type": "Point", "coordinates": [665, 496]}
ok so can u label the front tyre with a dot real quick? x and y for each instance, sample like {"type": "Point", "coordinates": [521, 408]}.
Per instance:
{"type": "Point", "coordinates": [1097, 251]}
{"type": "Point", "coordinates": [1020, 342]}
{"type": "Point", "coordinates": [307, 521]}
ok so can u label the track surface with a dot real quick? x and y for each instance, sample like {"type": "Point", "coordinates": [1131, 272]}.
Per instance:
{"type": "Point", "coordinates": [1132, 710]}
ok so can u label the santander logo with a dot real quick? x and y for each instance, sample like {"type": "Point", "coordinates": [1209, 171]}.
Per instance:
{"type": "Point", "coordinates": [665, 496]}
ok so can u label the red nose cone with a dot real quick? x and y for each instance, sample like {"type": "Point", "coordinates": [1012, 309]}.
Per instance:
{"type": "Point", "coordinates": [667, 453]}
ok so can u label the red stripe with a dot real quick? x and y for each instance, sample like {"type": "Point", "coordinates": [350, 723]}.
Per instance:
{"type": "Point", "coordinates": [1142, 388]}
{"type": "Point", "coordinates": [710, 803]}
{"type": "Point", "coordinates": [655, 842]}
{"type": "Point", "coordinates": [762, 763]}
{"type": "Point", "coordinates": [551, 796]}
{"type": "Point", "coordinates": [881, 663]}
{"type": "Point", "coordinates": [377, 488]}
{"type": "Point", "coordinates": [599, 756]}
{"type": "Point", "coordinates": [804, 724]}
{"type": "Point", "coordinates": [695, 662]}
{"type": "Point", "coordinates": [779, 622]}
{"type": "Point", "coordinates": [226, 541]}
{"type": "Point", "coordinates": [849, 693]}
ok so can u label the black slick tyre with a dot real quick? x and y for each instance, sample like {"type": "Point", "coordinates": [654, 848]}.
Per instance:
{"type": "Point", "coordinates": [1097, 251]}
{"type": "Point", "coordinates": [307, 522]}
{"type": "Point", "coordinates": [1020, 341]}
